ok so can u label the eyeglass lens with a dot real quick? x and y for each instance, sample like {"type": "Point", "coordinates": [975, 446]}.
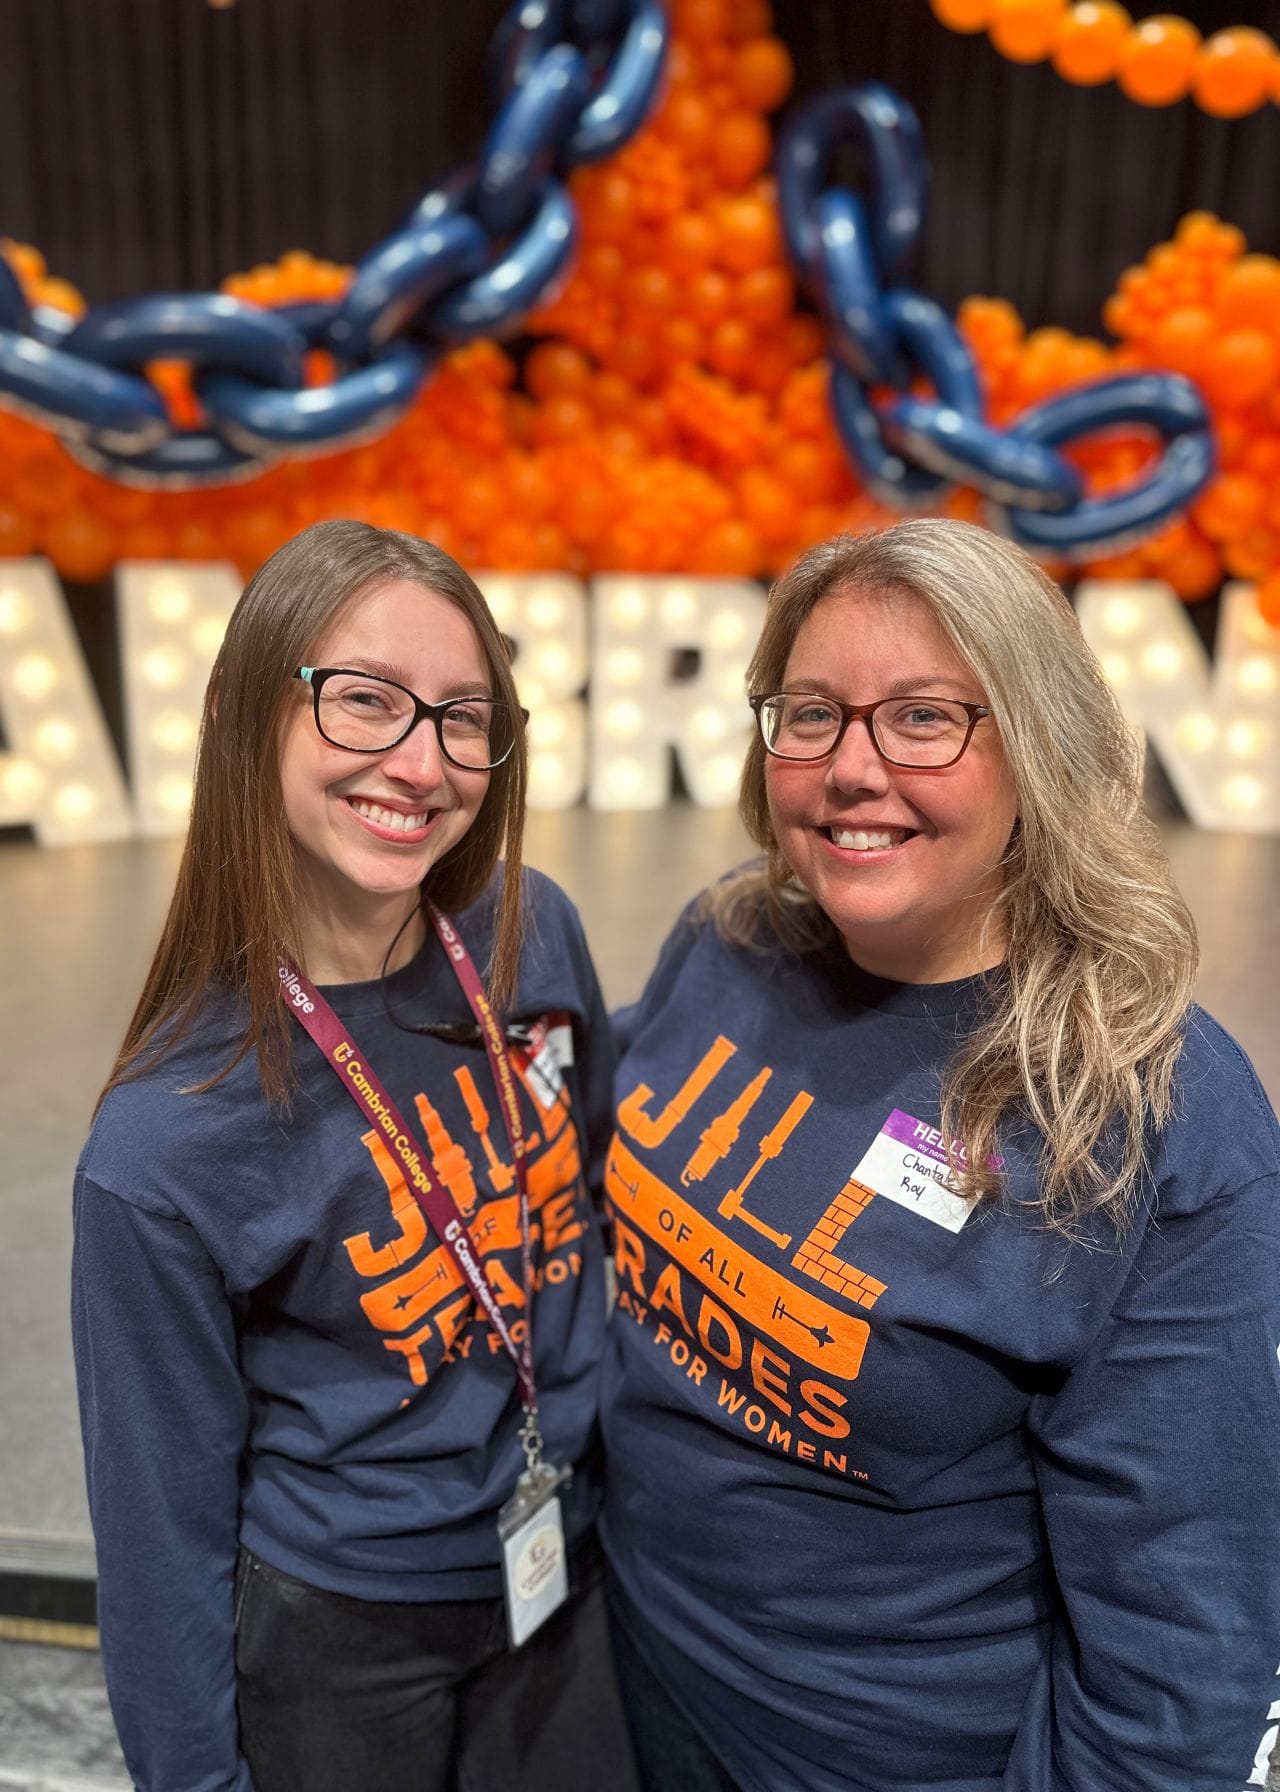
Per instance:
{"type": "Point", "coordinates": [368, 715]}
{"type": "Point", "coordinates": [910, 730]}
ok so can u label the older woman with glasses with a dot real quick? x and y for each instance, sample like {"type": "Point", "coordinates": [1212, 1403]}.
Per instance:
{"type": "Point", "coordinates": [336, 1188]}
{"type": "Point", "coordinates": [942, 1398]}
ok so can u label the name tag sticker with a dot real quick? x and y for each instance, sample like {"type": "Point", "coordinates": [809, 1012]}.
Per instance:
{"type": "Point", "coordinates": [906, 1163]}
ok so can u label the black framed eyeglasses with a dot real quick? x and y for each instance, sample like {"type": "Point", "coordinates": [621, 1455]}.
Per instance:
{"type": "Point", "coordinates": [921, 733]}
{"type": "Point", "coordinates": [362, 713]}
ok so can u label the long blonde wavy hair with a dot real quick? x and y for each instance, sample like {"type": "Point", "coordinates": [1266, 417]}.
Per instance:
{"type": "Point", "coordinates": [1085, 1028]}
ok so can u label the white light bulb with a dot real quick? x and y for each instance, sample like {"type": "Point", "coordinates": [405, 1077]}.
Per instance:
{"type": "Point", "coordinates": [625, 665]}
{"type": "Point", "coordinates": [164, 667]}
{"type": "Point", "coordinates": [173, 794]}
{"type": "Point", "coordinates": [174, 731]}
{"type": "Point", "coordinates": [623, 721]}
{"type": "Point", "coordinates": [15, 611]}
{"type": "Point", "coordinates": [1256, 676]}
{"type": "Point", "coordinates": [1245, 740]}
{"type": "Point", "coordinates": [169, 600]}
{"type": "Point", "coordinates": [547, 610]}
{"type": "Point", "coordinates": [548, 728]}
{"type": "Point", "coordinates": [625, 778]}
{"type": "Point", "coordinates": [723, 772]}
{"type": "Point", "coordinates": [1122, 616]}
{"type": "Point", "coordinates": [548, 774]}
{"type": "Point", "coordinates": [20, 782]}
{"type": "Point", "coordinates": [206, 636]}
{"type": "Point", "coordinates": [727, 628]}
{"type": "Point", "coordinates": [678, 607]}
{"type": "Point", "coordinates": [56, 739]}
{"type": "Point", "coordinates": [74, 802]}
{"type": "Point", "coordinates": [1242, 792]}
{"type": "Point", "coordinates": [629, 607]}
{"type": "Point", "coordinates": [34, 676]}
{"type": "Point", "coordinates": [708, 726]}
{"type": "Point", "coordinates": [1197, 731]}
{"type": "Point", "coordinates": [552, 661]}
{"type": "Point", "coordinates": [1162, 661]}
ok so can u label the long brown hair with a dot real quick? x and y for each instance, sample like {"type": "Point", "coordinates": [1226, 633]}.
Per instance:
{"type": "Point", "coordinates": [1100, 951]}
{"type": "Point", "coordinates": [234, 908]}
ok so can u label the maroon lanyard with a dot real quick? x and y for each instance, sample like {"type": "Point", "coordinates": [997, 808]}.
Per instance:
{"type": "Point", "coordinates": [361, 1082]}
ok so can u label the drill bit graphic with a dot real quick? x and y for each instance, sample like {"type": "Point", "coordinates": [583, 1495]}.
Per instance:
{"type": "Point", "coordinates": [719, 1139]}
{"type": "Point", "coordinates": [770, 1145]}
{"type": "Point", "coordinates": [501, 1176]}
{"type": "Point", "coordinates": [645, 1131]}
{"type": "Point", "coordinates": [820, 1332]}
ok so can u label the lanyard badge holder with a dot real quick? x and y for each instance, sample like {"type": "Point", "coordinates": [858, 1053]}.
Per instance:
{"type": "Point", "coordinates": [530, 1525]}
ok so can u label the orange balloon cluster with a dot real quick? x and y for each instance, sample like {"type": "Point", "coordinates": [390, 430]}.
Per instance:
{"type": "Point", "coordinates": [1156, 61]}
{"type": "Point", "coordinates": [672, 412]}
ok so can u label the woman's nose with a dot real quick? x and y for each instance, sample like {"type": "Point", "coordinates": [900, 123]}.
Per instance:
{"type": "Point", "coordinates": [418, 758]}
{"type": "Point", "coordinates": [856, 763]}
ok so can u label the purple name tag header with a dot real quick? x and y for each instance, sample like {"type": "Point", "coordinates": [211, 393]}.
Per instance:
{"type": "Point", "coordinates": [923, 1139]}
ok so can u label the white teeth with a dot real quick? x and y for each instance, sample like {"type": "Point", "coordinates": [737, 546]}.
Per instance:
{"type": "Point", "coordinates": [389, 818]}
{"type": "Point", "coordinates": [859, 840]}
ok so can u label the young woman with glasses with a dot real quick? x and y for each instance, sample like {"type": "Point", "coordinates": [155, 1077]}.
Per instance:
{"type": "Point", "coordinates": [941, 1404]}
{"type": "Point", "coordinates": [338, 1283]}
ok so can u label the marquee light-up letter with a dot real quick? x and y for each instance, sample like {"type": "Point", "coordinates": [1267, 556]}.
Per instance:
{"type": "Point", "coordinates": [172, 619]}
{"type": "Point", "coordinates": [639, 711]}
{"type": "Point", "coordinates": [545, 614]}
{"type": "Point", "coordinates": [1216, 729]}
{"type": "Point", "coordinates": [60, 774]}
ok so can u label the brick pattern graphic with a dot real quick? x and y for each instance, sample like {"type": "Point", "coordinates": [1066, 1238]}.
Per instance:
{"type": "Point", "coordinates": [816, 1256]}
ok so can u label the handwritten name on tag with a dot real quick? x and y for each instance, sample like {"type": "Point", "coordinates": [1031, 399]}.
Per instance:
{"type": "Point", "coordinates": [906, 1162]}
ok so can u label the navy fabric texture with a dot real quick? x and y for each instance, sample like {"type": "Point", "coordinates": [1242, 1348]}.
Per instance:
{"type": "Point", "coordinates": [907, 1498]}
{"type": "Point", "coordinates": [273, 1350]}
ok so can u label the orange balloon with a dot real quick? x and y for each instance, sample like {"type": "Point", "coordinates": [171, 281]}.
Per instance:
{"type": "Point", "coordinates": [1024, 30]}
{"type": "Point", "coordinates": [554, 368]}
{"type": "Point", "coordinates": [1232, 503]}
{"type": "Point", "coordinates": [1249, 293]}
{"type": "Point", "coordinates": [688, 243]}
{"type": "Point", "coordinates": [1157, 60]}
{"type": "Point", "coordinates": [1234, 72]}
{"type": "Point", "coordinates": [741, 147]}
{"type": "Point", "coordinates": [79, 547]}
{"type": "Point", "coordinates": [963, 15]}
{"type": "Point", "coordinates": [1194, 571]}
{"type": "Point", "coordinates": [1088, 41]}
{"type": "Point", "coordinates": [709, 297]}
{"type": "Point", "coordinates": [17, 537]}
{"type": "Point", "coordinates": [763, 73]}
{"type": "Point", "coordinates": [686, 120]}
{"type": "Point", "coordinates": [765, 295]}
{"type": "Point", "coordinates": [1181, 338]}
{"type": "Point", "coordinates": [1240, 368]}
{"type": "Point", "coordinates": [748, 234]}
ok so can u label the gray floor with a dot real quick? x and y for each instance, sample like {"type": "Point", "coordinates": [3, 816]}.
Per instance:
{"type": "Point", "coordinates": [78, 924]}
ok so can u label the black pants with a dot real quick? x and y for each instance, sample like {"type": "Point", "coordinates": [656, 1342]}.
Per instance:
{"type": "Point", "coordinates": [348, 1695]}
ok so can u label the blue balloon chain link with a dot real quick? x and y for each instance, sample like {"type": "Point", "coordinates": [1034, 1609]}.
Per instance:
{"type": "Point", "coordinates": [852, 255]}
{"type": "Point", "coordinates": [576, 79]}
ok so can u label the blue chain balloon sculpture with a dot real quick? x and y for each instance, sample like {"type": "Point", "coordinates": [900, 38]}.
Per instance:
{"type": "Point", "coordinates": [576, 78]}
{"type": "Point", "coordinates": [909, 451]}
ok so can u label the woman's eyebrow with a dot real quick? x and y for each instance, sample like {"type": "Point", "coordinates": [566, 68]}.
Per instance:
{"type": "Point", "coordinates": [901, 687]}
{"type": "Point", "coordinates": [361, 662]}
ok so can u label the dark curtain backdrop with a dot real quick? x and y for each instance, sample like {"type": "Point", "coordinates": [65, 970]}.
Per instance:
{"type": "Point", "coordinates": [151, 145]}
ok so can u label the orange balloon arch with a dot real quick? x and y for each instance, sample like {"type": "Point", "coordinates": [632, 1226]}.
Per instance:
{"type": "Point", "coordinates": [671, 414]}
{"type": "Point", "coordinates": [1156, 61]}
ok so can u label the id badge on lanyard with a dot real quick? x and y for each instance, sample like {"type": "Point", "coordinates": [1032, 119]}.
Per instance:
{"type": "Point", "coordinates": [530, 1526]}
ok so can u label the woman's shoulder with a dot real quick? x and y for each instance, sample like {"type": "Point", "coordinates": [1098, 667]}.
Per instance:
{"type": "Point", "coordinates": [1223, 1133]}
{"type": "Point", "coordinates": [150, 1129]}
